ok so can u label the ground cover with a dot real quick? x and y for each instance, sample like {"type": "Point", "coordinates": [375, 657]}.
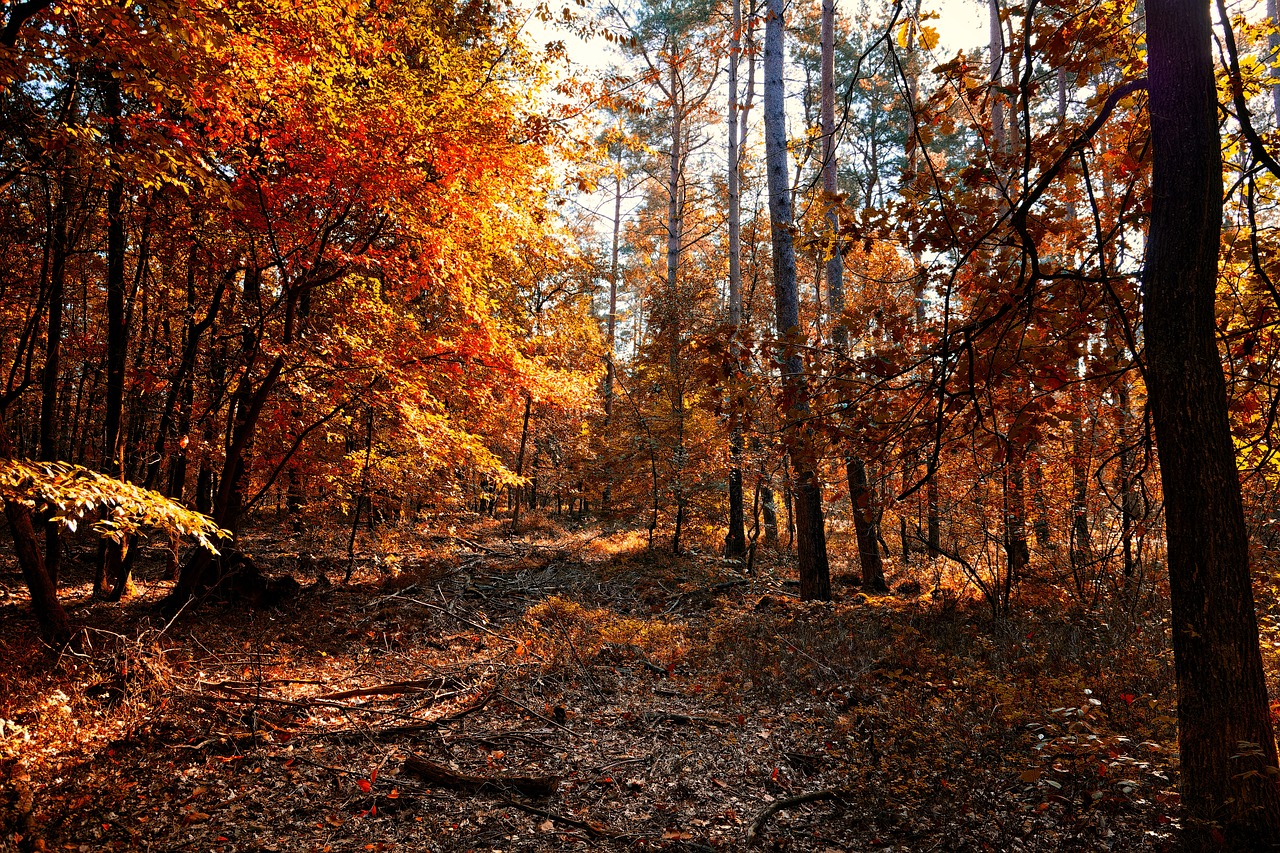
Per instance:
{"type": "Point", "coordinates": [568, 689]}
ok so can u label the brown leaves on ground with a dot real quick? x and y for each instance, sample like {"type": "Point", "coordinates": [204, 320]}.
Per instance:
{"type": "Point", "coordinates": [657, 703]}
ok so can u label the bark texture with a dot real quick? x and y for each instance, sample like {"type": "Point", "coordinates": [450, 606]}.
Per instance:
{"type": "Point", "coordinates": [811, 543]}
{"type": "Point", "coordinates": [1228, 749]}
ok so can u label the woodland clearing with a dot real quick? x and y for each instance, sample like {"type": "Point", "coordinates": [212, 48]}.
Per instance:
{"type": "Point", "coordinates": [667, 703]}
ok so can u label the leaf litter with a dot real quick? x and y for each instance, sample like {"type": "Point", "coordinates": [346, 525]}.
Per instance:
{"type": "Point", "coordinates": [564, 694]}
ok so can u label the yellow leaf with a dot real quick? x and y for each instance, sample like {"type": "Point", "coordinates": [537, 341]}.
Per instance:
{"type": "Point", "coordinates": [928, 37]}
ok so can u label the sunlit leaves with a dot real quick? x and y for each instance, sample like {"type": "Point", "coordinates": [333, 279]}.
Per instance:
{"type": "Point", "coordinates": [72, 493]}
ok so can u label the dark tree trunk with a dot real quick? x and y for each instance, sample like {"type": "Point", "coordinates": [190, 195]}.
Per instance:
{"type": "Point", "coordinates": [1125, 474]}
{"type": "Point", "coordinates": [1081, 546]}
{"type": "Point", "coordinates": [735, 540]}
{"type": "Point", "coordinates": [769, 511]}
{"type": "Point", "coordinates": [862, 497]}
{"type": "Point", "coordinates": [112, 577]}
{"type": "Point", "coordinates": [1227, 791]}
{"type": "Point", "coordinates": [517, 498]}
{"type": "Point", "coordinates": [933, 546]}
{"type": "Point", "coordinates": [49, 381]}
{"type": "Point", "coordinates": [1017, 551]}
{"type": "Point", "coordinates": [55, 627]}
{"type": "Point", "coordinates": [1043, 531]}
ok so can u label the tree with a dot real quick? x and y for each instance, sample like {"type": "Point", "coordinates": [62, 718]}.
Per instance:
{"type": "Point", "coordinates": [735, 543]}
{"type": "Point", "coordinates": [1228, 748]}
{"type": "Point", "coordinates": [811, 543]}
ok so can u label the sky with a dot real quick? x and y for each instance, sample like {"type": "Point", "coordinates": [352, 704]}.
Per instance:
{"type": "Point", "coordinates": [961, 25]}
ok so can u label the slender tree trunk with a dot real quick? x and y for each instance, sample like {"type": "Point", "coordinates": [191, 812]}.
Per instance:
{"type": "Point", "coordinates": [675, 233]}
{"type": "Point", "coordinates": [1017, 552]}
{"type": "Point", "coordinates": [1041, 527]}
{"type": "Point", "coordinates": [1125, 474]}
{"type": "Point", "coordinates": [610, 340]}
{"type": "Point", "coordinates": [1273, 43]}
{"type": "Point", "coordinates": [769, 511]}
{"type": "Point", "coordinates": [735, 543]}
{"type": "Point", "coordinates": [1227, 787]}
{"type": "Point", "coordinates": [1081, 546]}
{"type": "Point", "coordinates": [865, 525]}
{"type": "Point", "coordinates": [933, 542]}
{"type": "Point", "coordinates": [524, 438]}
{"type": "Point", "coordinates": [112, 580]}
{"type": "Point", "coordinates": [995, 48]}
{"type": "Point", "coordinates": [815, 573]}
{"type": "Point", "coordinates": [362, 497]}
{"type": "Point", "coordinates": [861, 496]}
{"type": "Point", "coordinates": [50, 379]}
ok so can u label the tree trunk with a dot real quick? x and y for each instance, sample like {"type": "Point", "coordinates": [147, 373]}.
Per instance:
{"type": "Point", "coordinates": [362, 497]}
{"type": "Point", "coordinates": [1041, 526]}
{"type": "Point", "coordinates": [735, 543]}
{"type": "Point", "coordinates": [995, 49]}
{"type": "Point", "coordinates": [769, 511]}
{"type": "Point", "coordinates": [524, 438]}
{"type": "Point", "coordinates": [610, 343]}
{"type": "Point", "coordinates": [1230, 798]}
{"type": "Point", "coordinates": [1125, 474]}
{"type": "Point", "coordinates": [675, 233]}
{"type": "Point", "coordinates": [1273, 43]}
{"type": "Point", "coordinates": [1081, 546]}
{"type": "Point", "coordinates": [112, 577]}
{"type": "Point", "coordinates": [1017, 552]}
{"type": "Point", "coordinates": [55, 627]}
{"type": "Point", "coordinates": [49, 380]}
{"type": "Point", "coordinates": [863, 498]}
{"type": "Point", "coordinates": [815, 574]}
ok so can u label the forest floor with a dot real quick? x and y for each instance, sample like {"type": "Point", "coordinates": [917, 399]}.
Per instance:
{"type": "Point", "coordinates": [569, 689]}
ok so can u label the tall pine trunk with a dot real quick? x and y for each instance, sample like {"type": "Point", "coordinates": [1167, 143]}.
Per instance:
{"type": "Point", "coordinates": [735, 542]}
{"type": "Point", "coordinates": [811, 543]}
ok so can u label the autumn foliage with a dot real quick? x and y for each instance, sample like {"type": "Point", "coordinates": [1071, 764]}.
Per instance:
{"type": "Point", "coordinates": [365, 274]}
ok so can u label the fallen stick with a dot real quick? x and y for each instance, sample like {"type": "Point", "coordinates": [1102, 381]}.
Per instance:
{"type": "Point", "coordinates": [408, 729]}
{"type": "Point", "coordinates": [595, 830]}
{"type": "Point", "coordinates": [392, 688]}
{"type": "Point", "coordinates": [438, 774]}
{"type": "Point", "coordinates": [753, 834]}
{"type": "Point", "coordinates": [447, 612]}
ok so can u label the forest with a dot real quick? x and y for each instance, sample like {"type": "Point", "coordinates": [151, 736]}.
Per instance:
{"type": "Point", "coordinates": [689, 425]}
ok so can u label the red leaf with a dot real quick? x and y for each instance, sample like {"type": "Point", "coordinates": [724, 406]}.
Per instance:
{"type": "Point", "coordinates": [365, 785]}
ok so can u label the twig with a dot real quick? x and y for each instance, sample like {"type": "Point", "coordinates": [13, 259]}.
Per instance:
{"type": "Point", "coordinates": [753, 834]}
{"type": "Point", "coordinates": [594, 830]}
{"type": "Point", "coordinates": [245, 698]}
{"type": "Point", "coordinates": [464, 621]}
{"type": "Point", "coordinates": [438, 774]}
{"type": "Point", "coordinates": [542, 717]}
{"type": "Point", "coordinates": [409, 729]}
{"type": "Point", "coordinates": [391, 688]}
